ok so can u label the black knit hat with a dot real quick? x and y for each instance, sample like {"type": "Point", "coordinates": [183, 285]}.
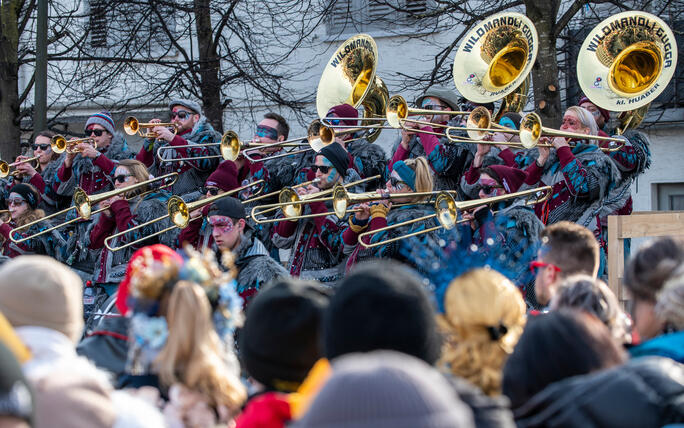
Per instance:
{"type": "Point", "coordinates": [27, 193]}
{"type": "Point", "coordinates": [280, 340]}
{"type": "Point", "coordinates": [381, 305]}
{"type": "Point", "coordinates": [337, 156]}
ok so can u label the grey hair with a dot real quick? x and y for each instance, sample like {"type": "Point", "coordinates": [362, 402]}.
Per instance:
{"type": "Point", "coordinates": [586, 118]}
{"type": "Point", "coordinates": [670, 301]}
{"type": "Point", "coordinates": [587, 294]}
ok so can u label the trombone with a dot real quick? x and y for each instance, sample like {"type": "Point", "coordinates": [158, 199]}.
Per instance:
{"type": "Point", "coordinates": [133, 126]}
{"type": "Point", "coordinates": [446, 212]}
{"type": "Point", "coordinates": [315, 181]}
{"type": "Point", "coordinates": [60, 144]}
{"type": "Point", "coordinates": [342, 199]}
{"type": "Point", "coordinates": [5, 167]}
{"type": "Point", "coordinates": [83, 203]}
{"type": "Point", "coordinates": [292, 204]}
{"type": "Point", "coordinates": [231, 146]}
{"type": "Point", "coordinates": [179, 213]}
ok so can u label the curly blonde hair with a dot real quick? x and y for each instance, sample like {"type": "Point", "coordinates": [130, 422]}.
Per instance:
{"type": "Point", "coordinates": [484, 316]}
{"type": "Point", "coordinates": [424, 180]}
{"type": "Point", "coordinates": [192, 354]}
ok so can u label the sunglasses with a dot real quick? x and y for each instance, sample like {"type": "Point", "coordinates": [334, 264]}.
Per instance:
{"type": "Point", "coordinates": [433, 107]}
{"type": "Point", "coordinates": [267, 132]}
{"type": "Point", "coordinates": [43, 147]}
{"type": "Point", "coordinates": [535, 265]}
{"type": "Point", "coordinates": [334, 122]}
{"type": "Point", "coordinates": [97, 132]}
{"type": "Point", "coordinates": [323, 168]}
{"type": "Point", "coordinates": [181, 114]}
{"type": "Point", "coordinates": [121, 178]}
{"type": "Point", "coordinates": [17, 202]}
{"type": "Point", "coordinates": [488, 189]}
{"type": "Point", "coordinates": [397, 183]}
{"type": "Point", "coordinates": [221, 224]}
{"type": "Point", "coordinates": [213, 191]}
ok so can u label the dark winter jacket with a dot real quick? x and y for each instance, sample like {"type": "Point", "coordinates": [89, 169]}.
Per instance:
{"type": "Point", "coordinates": [92, 175]}
{"type": "Point", "coordinates": [192, 173]}
{"type": "Point", "coordinates": [646, 392]}
{"type": "Point", "coordinates": [43, 181]}
{"type": "Point", "coordinates": [51, 244]}
{"type": "Point", "coordinates": [369, 160]}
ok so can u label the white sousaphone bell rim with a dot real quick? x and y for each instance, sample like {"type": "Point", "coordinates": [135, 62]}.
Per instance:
{"type": "Point", "coordinates": [466, 63]}
{"type": "Point", "coordinates": [590, 69]}
{"type": "Point", "coordinates": [328, 97]}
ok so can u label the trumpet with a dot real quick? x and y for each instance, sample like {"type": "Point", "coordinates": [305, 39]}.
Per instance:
{"type": "Point", "coordinates": [133, 126]}
{"type": "Point", "coordinates": [179, 213]}
{"type": "Point", "coordinates": [83, 203]}
{"type": "Point", "coordinates": [60, 144]}
{"type": "Point", "coordinates": [5, 167]}
{"type": "Point", "coordinates": [446, 213]}
{"type": "Point", "coordinates": [292, 204]}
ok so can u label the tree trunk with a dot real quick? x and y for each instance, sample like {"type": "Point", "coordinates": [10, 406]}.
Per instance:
{"type": "Point", "coordinates": [209, 65]}
{"type": "Point", "coordinates": [547, 99]}
{"type": "Point", "coordinates": [9, 79]}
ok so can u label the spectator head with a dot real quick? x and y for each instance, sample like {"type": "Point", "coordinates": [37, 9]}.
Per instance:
{"type": "Point", "coordinates": [566, 249]}
{"type": "Point", "coordinates": [381, 305]}
{"type": "Point", "coordinates": [646, 272]}
{"type": "Point", "coordinates": [591, 295]}
{"type": "Point", "coordinates": [386, 389]}
{"type": "Point", "coordinates": [669, 306]}
{"type": "Point", "coordinates": [556, 346]}
{"type": "Point", "coordinates": [16, 398]}
{"type": "Point", "coordinates": [484, 315]}
{"type": "Point", "coordinates": [40, 291]}
{"type": "Point", "coordinates": [280, 340]}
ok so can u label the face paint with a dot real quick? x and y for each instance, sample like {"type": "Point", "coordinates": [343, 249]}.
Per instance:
{"type": "Point", "coordinates": [332, 177]}
{"type": "Point", "coordinates": [221, 224]}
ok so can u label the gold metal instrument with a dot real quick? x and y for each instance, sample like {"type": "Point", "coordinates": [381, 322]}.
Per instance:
{"type": "Point", "coordinates": [627, 60]}
{"type": "Point", "coordinates": [178, 211]}
{"type": "Point", "coordinates": [315, 181]}
{"type": "Point", "coordinates": [398, 112]}
{"type": "Point", "coordinates": [342, 199]}
{"type": "Point", "coordinates": [5, 167]}
{"type": "Point", "coordinates": [83, 204]}
{"type": "Point", "coordinates": [133, 126]}
{"type": "Point", "coordinates": [292, 204]}
{"type": "Point", "coordinates": [60, 144]}
{"type": "Point", "coordinates": [446, 213]}
{"type": "Point", "coordinates": [495, 57]}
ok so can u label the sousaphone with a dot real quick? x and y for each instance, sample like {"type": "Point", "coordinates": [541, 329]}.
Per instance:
{"type": "Point", "coordinates": [349, 78]}
{"type": "Point", "coordinates": [495, 58]}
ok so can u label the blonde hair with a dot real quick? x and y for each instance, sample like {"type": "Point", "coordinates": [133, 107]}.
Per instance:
{"type": "Point", "coordinates": [586, 119]}
{"type": "Point", "coordinates": [192, 354]}
{"type": "Point", "coordinates": [26, 218]}
{"type": "Point", "coordinates": [138, 170]}
{"type": "Point", "coordinates": [484, 316]}
{"type": "Point", "coordinates": [424, 180]}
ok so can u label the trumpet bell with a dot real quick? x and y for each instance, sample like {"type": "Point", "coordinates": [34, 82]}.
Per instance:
{"type": "Point", "coordinates": [530, 130]}
{"type": "Point", "coordinates": [4, 169]}
{"type": "Point", "coordinates": [495, 57]}
{"type": "Point", "coordinates": [627, 60]}
{"type": "Point", "coordinates": [58, 144]}
{"type": "Point", "coordinates": [446, 210]}
{"type": "Point", "coordinates": [131, 125]}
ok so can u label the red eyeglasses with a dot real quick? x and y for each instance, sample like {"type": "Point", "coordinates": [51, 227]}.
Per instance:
{"type": "Point", "coordinates": [537, 264]}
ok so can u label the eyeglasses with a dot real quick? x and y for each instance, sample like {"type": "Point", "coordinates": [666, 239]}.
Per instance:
{"type": "Point", "coordinates": [267, 132]}
{"type": "Point", "coordinates": [213, 191]}
{"type": "Point", "coordinates": [334, 122]}
{"type": "Point", "coordinates": [323, 168]}
{"type": "Point", "coordinates": [121, 178]}
{"type": "Point", "coordinates": [181, 114]}
{"type": "Point", "coordinates": [397, 183]}
{"type": "Point", "coordinates": [488, 189]}
{"type": "Point", "coordinates": [536, 264]}
{"type": "Point", "coordinates": [434, 107]}
{"type": "Point", "coordinates": [221, 224]}
{"type": "Point", "coordinates": [97, 132]}
{"type": "Point", "coordinates": [17, 202]}
{"type": "Point", "coordinates": [43, 147]}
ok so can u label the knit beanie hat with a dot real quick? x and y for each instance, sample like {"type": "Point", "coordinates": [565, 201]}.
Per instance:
{"type": "Point", "coordinates": [509, 177]}
{"type": "Point", "coordinates": [16, 399]}
{"type": "Point", "coordinates": [40, 291]}
{"type": "Point", "coordinates": [385, 389]}
{"type": "Point", "coordinates": [189, 104]}
{"type": "Point", "coordinates": [345, 110]}
{"type": "Point", "coordinates": [224, 177]}
{"type": "Point", "coordinates": [280, 339]}
{"type": "Point", "coordinates": [27, 193]}
{"type": "Point", "coordinates": [381, 305]}
{"type": "Point", "coordinates": [104, 119]}
{"type": "Point", "coordinates": [336, 154]}
{"type": "Point", "coordinates": [605, 113]}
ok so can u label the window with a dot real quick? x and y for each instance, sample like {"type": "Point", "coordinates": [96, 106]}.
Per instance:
{"type": "Point", "coordinates": [97, 24]}
{"type": "Point", "coordinates": [670, 197]}
{"type": "Point", "coordinates": [353, 16]}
